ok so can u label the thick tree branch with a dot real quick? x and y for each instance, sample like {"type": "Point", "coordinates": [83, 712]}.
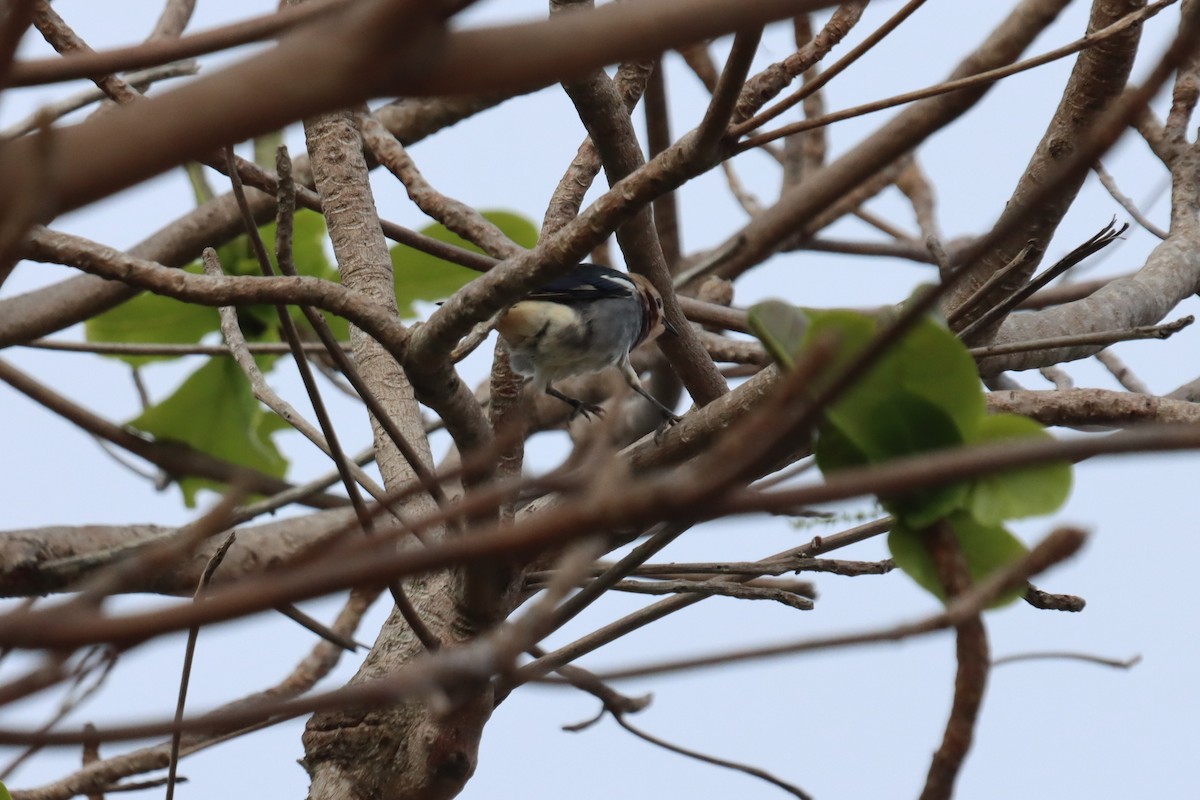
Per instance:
{"type": "Point", "coordinates": [1171, 275]}
{"type": "Point", "coordinates": [1097, 80]}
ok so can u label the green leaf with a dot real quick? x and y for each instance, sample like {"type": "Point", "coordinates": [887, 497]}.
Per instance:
{"type": "Point", "coordinates": [265, 147]}
{"type": "Point", "coordinates": [836, 451]}
{"type": "Point", "coordinates": [935, 365]}
{"type": "Point", "coordinates": [780, 327]}
{"type": "Point", "coordinates": [929, 363]}
{"type": "Point", "coordinates": [4, 795]}
{"type": "Point", "coordinates": [894, 424]}
{"type": "Point", "coordinates": [986, 549]}
{"type": "Point", "coordinates": [153, 319]}
{"type": "Point", "coordinates": [849, 331]}
{"type": "Point", "coordinates": [215, 411]}
{"type": "Point", "coordinates": [201, 190]}
{"type": "Point", "coordinates": [905, 426]}
{"type": "Point", "coordinates": [1026, 492]}
{"type": "Point", "coordinates": [420, 276]}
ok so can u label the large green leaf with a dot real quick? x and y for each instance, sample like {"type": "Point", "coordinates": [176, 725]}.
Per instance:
{"type": "Point", "coordinates": [781, 328]}
{"type": "Point", "coordinates": [420, 276]}
{"type": "Point", "coordinates": [215, 411]}
{"type": "Point", "coordinates": [906, 426]}
{"type": "Point", "coordinates": [923, 394]}
{"type": "Point", "coordinates": [918, 396]}
{"type": "Point", "coordinates": [848, 331]}
{"type": "Point", "coordinates": [1025, 492]}
{"type": "Point", "coordinates": [935, 365]}
{"type": "Point", "coordinates": [986, 549]}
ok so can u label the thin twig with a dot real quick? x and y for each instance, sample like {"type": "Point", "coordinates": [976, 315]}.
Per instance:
{"type": "Point", "coordinates": [98, 660]}
{"type": "Point", "coordinates": [990, 76]}
{"type": "Point", "coordinates": [1062, 655]}
{"type": "Point", "coordinates": [662, 608]}
{"type": "Point", "coordinates": [791, 789]}
{"type": "Point", "coordinates": [150, 349]}
{"type": "Point", "coordinates": [276, 501]}
{"type": "Point", "coordinates": [997, 277]}
{"type": "Point", "coordinates": [816, 84]}
{"type": "Point", "coordinates": [1109, 183]}
{"type": "Point", "coordinates": [147, 54]}
{"type": "Point", "coordinates": [1164, 331]}
{"type": "Point", "coordinates": [1121, 371]}
{"type": "Point", "coordinates": [728, 89]}
{"type": "Point", "coordinates": [716, 589]}
{"type": "Point", "coordinates": [188, 655]}
{"type": "Point", "coordinates": [174, 458]}
{"type": "Point", "coordinates": [1056, 547]}
{"type": "Point", "coordinates": [140, 80]}
{"type": "Point", "coordinates": [324, 631]}
{"type": "Point", "coordinates": [1106, 236]}
{"type": "Point", "coordinates": [235, 343]}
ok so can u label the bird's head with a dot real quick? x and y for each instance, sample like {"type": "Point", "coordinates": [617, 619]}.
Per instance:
{"type": "Point", "coordinates": [654, 321]}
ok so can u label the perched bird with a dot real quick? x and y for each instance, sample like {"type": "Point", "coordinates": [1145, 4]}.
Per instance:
{"type": "Point", "coordinates": [589, 319]}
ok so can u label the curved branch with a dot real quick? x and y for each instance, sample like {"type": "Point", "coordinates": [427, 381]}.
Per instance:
{"type": "Point", "coordinates": [61, 248]}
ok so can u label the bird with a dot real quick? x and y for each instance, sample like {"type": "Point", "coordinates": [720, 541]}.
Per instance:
{"type": "Point", "coordinates": [588, 319]}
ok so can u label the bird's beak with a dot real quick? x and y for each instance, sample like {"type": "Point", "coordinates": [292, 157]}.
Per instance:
{"type": "Point", "coordinates": [669, 328]}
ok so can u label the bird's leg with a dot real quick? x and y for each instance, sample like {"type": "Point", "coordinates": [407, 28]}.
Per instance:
{"type": "Point", "coordinates": [635, 383]}
{"type": "Point", "coordinates": [580, 406]}
{"type": "Point", "coordinates": [669, 416]}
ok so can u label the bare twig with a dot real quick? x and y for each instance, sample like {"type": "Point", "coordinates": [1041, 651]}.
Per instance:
{"type": "Point", "coordinates": [791, 789]}
{"type": "Point", "coordinates": [716, 589]}
{"type": "Point", "coordinates": [971, 645]}
{"type": "Point", "coordinates": [1164, 331]}
{"type": "Point", "coordinates": [1106, 236]}
{"type": "Point", "coordinates": [811, 87]}
{"type": "Point", "coordinates": [189, 653]}
{"type": "Point", "coordinates": [1121, 371]}
{"type": "Point", "coordinates": [982, 78]}
{"type": "Point", "coordinates": [1062, 655]}
{"type": "Point", "coordinates": [1056, 547]}
{"type": "Point", "coordinates": [1109, 183]}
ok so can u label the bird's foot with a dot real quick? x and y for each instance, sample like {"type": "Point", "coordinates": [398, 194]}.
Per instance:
{"type": "Point", "coordinates": [670, 419]}
{"type": "Point", "coordinates": [585, 410]}
{"type": "Point", "coordinates": [581, 407]}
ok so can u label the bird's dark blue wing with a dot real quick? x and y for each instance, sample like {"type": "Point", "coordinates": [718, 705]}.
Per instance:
{"type": "Point", "coordinates": [584, 284]}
